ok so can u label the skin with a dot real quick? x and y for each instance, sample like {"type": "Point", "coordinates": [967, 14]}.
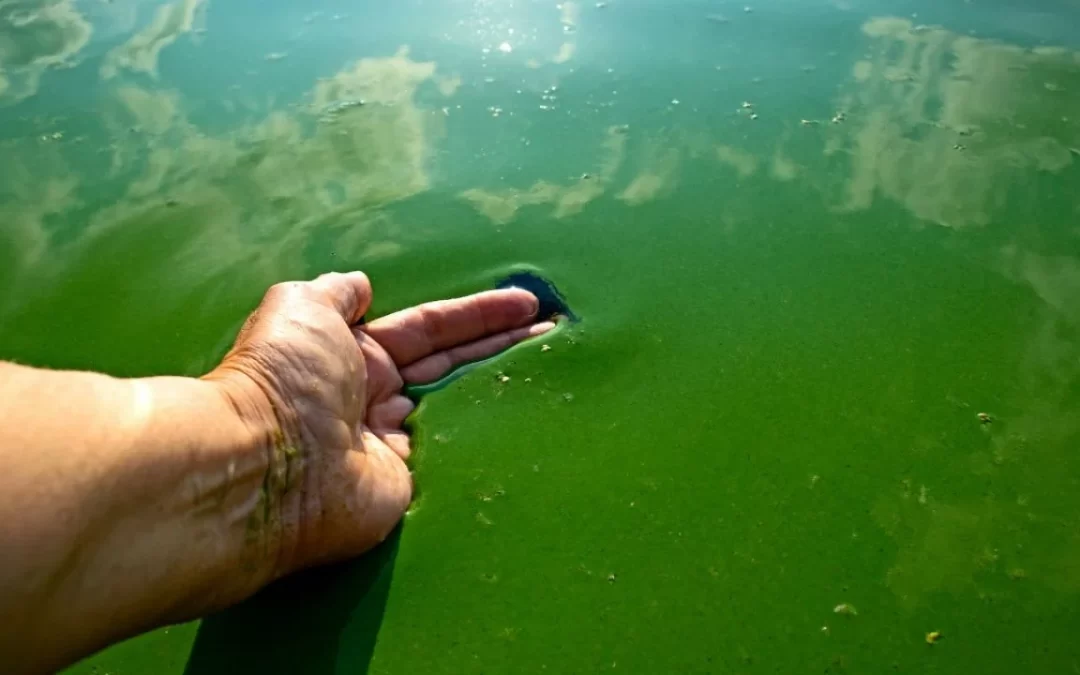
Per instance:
{"type": "Point", "coordinates": [127, 505]}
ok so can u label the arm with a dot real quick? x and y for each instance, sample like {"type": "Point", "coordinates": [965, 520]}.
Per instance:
{"type": "Point", "coordinates": [126, 505]}
{"type": "Point", "coordinates": [131, 504]}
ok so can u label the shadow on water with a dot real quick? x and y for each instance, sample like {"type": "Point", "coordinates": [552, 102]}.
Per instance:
{"type": "Point", "coordinates": [317, 622]}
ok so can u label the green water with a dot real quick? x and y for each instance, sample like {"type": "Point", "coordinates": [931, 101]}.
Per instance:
{"type": "Point", "coordinates": [793, 311]}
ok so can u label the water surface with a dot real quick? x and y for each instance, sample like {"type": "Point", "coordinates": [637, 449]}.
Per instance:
{"type": "Point", "coordinates": [809, 243]}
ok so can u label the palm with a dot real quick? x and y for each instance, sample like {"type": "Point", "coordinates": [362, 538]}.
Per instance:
{"type": "Point", "coordinates": [336, 390]}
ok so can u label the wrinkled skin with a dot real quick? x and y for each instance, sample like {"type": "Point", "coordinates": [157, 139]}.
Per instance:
{"type": "Point", "coordinates": [333, 391]}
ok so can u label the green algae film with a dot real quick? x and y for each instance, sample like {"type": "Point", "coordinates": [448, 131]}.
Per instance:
{"type": "Point", "coordinates": [809, 246]}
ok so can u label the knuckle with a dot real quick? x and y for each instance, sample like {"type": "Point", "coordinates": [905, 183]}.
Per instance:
{"type": "Point", "coordinates": [283, 290]}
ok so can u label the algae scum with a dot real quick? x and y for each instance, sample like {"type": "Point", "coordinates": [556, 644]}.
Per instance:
{"type": "Point", "coordinates": [810, 246]}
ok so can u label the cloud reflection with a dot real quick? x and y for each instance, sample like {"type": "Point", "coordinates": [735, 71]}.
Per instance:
{"type": "Point", "coordinates": [140, 53]}
{"type": "Point", "coordinates": [943, 123]}
{"type": "Point", "coordinates": [35, 36]}
{"type": "Point", "coordinates": [247, 200]}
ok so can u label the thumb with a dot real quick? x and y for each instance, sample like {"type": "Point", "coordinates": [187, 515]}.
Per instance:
{"type": "Point", "coordinates": [349, 294]}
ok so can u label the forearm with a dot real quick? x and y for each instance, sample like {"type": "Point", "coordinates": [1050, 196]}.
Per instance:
{"type": "Point", "coordinates": [128, 504]}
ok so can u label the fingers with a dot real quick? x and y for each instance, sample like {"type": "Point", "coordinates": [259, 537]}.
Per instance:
{"type": "Point", "coordinates": [416, 333]}
{"type": "Point", "coordinates": [396, 440]}
{"type": "Point", "coordinates": [433, 367]}
{"type": "Point", "coordinates": [349, 294]}
{"type": "Point", "coordinates": [390, 414]}
{"type": "Point", "coordinates": [384, 380]}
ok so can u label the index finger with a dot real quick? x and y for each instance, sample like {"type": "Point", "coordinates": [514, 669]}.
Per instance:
{"type": "Point", "coordinates": [417, 332]}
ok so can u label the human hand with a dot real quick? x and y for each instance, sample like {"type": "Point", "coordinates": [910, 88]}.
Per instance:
{"type": "Point", "coordinates": [330, 391]}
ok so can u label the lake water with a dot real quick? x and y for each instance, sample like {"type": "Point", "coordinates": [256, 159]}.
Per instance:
{"type": "Point", "coordinates": [810, 242]}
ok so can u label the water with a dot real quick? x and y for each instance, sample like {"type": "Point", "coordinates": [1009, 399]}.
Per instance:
{"type": "Point", "coordinates": [799, 285]}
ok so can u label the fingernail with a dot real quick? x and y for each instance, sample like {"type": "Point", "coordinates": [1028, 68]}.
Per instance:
{"type": "Point", "coordinates": [541, 328]}
{"type": "Point", "coordinates": [535, 304]}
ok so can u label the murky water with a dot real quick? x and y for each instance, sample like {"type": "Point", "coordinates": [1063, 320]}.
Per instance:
{"type": "Point", "coordinates": [809, 242]}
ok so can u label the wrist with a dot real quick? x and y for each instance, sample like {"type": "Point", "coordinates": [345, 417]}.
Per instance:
{"type": "Point", "coordinates": [158, 524]}
{"type": "Point", "coordinates": [211, 446]}
{"type": "Point", "coordinates": [179, 533]}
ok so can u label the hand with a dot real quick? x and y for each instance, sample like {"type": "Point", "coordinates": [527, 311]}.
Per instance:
{"type": "Point", "coordinates": [336, 483]}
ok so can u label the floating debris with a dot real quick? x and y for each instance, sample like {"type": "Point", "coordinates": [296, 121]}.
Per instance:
{"type": "Point", "coordinates": [505, 48]}
{"type": "Point", "coordinates": [344, 105]}
{"type": "Point", "coordinates": [845, 609]}
{"type": "Point", "coordinates": [611, 578]}
{"type": "Point", "coordinates": [621, 128]}
{"type": "Point", "coordinates": [984, 418]}
{"type": "Point", "coordinates": [748, 9]}
{"type": "Point", "coordinates": [753, 116]}
{"type": "Point", "coordinates": [957, 146]}
{"type": "Point", "coordinates": [601, 5]}
{"type": "Point", "coordinates": [275, 56]}
{"type": "Point", "coordinates": [674, 101]}
{"type": "Point", "coordinates": [933, 636]}
{"type": "Point", "coordinates": [717, 18]}
{"type": "Point", "coordinates": [1017, 573]}
{"type": "Point", "coordinates": [839, 117]}
{"type": "Point", "coordinates": [586, 176]}
{"type": "Point", "coordinates": [545, 348]}
{"type": "Point", "coordinates": [808, 123]}
{"type": "Point", "coordinates": [747, 105]}
{"type": "Point", "coordinates": [503, 378]}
